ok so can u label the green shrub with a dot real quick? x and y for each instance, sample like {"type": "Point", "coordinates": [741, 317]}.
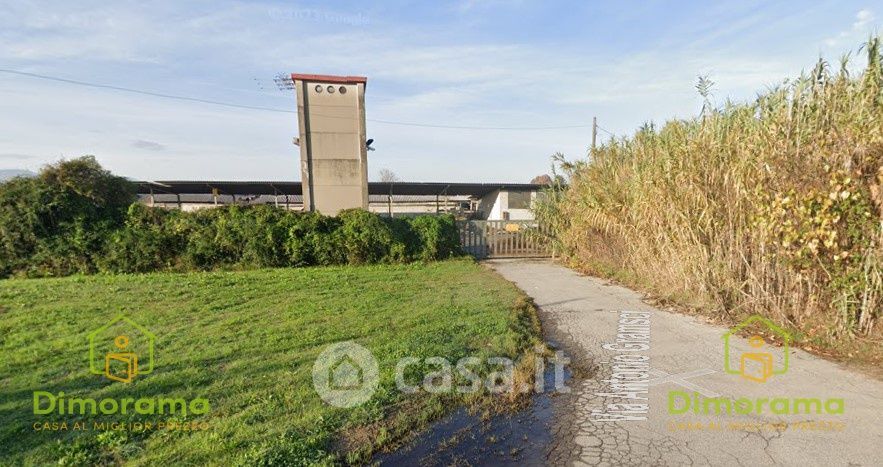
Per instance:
{"type": "Point", "coordinates": [248, 236]}
{"type": "Point", "coordinates": [438, 237]}
{"type": "Point", "coordinates": [148, 242]}
{"type": "Point", "coordinates": [406, 242]}
{"type": "Point", "coordinates": [21, 222]}
{"type": "Point", "coordinates": [57, 223]}
{"type": "Point", "coordinates": [202, 250]}
{"type": "Point", "coordinates": [327, 244]}
{"type": "Point", "coordinates": [267, 236]}
{"type": "Point", "coordinates": [366, 238]}
{"type": "Point", "coordinates": [78, 218]}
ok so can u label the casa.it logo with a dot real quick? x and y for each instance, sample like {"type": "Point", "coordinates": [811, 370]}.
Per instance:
{"type": "Point", "coordinates": [121, 350]}
{"type": "Point", "coordinates": [345, 374]}
{"type": "Point", "coordinates": [756, 364]}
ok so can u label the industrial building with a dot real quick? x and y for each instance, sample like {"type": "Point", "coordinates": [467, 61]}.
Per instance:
{"type": "Point", "coordinates": [334, 169]}
{"type": "Point", "coordinates": [484, 201]}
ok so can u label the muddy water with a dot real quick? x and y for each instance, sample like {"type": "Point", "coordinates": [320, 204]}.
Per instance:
{"type": "Point", "coordinates": [515, 438]}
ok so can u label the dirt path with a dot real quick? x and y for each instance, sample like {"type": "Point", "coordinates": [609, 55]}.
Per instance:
{"type": "Point", "coordinates": [686, 359]}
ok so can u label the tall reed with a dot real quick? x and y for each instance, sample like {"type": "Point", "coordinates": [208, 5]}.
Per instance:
{"type": "Point", "coordinates": [772, 207]}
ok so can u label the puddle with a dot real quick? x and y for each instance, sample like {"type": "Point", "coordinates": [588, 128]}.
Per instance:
{"type": "Point", "coordinates": [514, 438]}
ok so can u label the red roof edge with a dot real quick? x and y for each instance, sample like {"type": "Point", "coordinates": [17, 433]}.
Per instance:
{"type": "Point", "coordinates": [329, 78]}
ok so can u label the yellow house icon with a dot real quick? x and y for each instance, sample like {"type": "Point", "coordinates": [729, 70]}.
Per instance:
{"type": "Point", "coordinates": [756, 365]}
{"type": "Point", "coordinates": [121, 363]}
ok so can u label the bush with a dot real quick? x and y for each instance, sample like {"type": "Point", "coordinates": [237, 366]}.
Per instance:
{"type": "Point", "coordinates": [78, 218]}
{"type": "Point", "coordinates": [406, 242]}
{"type": "Point", "coordinates": [148, 242]}
{"type": "Point", "coordinates": [251, 236]}
{"type": "Point", "coordinates": [264, 236]}
{"type": "Point", "coordinates": [203, 249]}
{"type": "Point", "coordinates": [311, 240]}
{"type": "Point", "coordinates": [58, 222]}
{"type": "Point", "coordinates": [21, 225]}
{"type": "Point", "coordinates": [366, 238]}
{"type": "Point", "coordinates": [438, 237]}
{"type": "Point", "coordinates": [326, 241]}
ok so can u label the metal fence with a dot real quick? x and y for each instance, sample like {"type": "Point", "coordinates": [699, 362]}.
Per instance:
{"type": "Point", "coordinates": [504, 239]}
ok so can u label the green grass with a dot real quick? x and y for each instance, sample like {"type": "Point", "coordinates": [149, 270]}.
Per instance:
{"type": "Point", "coordinates": [246, 341]}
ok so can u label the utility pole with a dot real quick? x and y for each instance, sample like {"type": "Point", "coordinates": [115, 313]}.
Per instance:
{"type": "Point", "coordinates": [594, 132]}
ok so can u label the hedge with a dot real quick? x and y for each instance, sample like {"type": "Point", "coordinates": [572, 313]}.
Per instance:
{"type": "Point", "coordinates": [76, 217]}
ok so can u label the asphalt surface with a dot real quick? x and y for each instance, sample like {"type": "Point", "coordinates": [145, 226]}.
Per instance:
{"type": "Point", "coordinates": [685, 356]}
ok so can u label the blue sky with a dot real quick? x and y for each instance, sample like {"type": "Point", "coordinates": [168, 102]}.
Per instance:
{"type": "Point", "coordinates": [469, 63]}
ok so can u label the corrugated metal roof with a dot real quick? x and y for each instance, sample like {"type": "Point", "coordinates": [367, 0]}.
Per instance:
{"type": "Point", "coordinates": [271, 199]}
{"type": "Point", "coordinates": [295, 188]}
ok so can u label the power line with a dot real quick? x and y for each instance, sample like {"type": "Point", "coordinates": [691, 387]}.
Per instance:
{"type": "Point", "coordinates": [270, 109]}
{"type": "Point", "coordinates": [606, 131]}
{"type": "Point", "coordinates": [139, 91]}
{"type": "Point", "coordinates": [455, 127]}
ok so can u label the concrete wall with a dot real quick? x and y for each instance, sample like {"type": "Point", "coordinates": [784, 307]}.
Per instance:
{"type": "Point", "coordinates": [334, 162]}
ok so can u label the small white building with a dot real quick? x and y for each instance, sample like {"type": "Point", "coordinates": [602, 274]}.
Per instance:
{"type": "Point", "coordinates": [507, 204]}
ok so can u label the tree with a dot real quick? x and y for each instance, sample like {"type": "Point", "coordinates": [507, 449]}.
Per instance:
{"type": "Point", "coordinates": [56, 223]}
{"type": "Point", "coordinates": [543, 179]}
{"type": "Point", "coordinates": [388, 176]}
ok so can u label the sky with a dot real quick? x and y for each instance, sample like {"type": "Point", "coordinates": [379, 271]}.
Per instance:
{"type": "Point", "coordinates": [527, 65]}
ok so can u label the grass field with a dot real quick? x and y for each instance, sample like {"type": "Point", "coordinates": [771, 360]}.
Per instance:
{"type": "Point", "coordinates": [246, 341]}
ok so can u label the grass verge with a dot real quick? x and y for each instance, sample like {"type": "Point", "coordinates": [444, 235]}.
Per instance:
{"type": "Point", "coordinates": [246, 341]}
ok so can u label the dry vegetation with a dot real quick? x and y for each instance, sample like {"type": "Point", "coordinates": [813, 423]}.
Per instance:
{"type": "Point", "coordinates": [773, 207]}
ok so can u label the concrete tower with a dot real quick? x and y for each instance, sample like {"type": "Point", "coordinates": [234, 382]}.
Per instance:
{"type": "Point", "coordinates": [333, 154]}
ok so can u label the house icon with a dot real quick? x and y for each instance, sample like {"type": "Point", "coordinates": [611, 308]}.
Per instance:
{"type": "Point", "coordinates": [121, 350]}
{"type": "Point", "coordinates": [756, 365]}
{"type": "Point", "coordinates": [346, 373]}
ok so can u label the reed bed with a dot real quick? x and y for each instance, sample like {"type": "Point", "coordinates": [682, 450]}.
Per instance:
{"type": "Point", "coordinates": [770, 207]}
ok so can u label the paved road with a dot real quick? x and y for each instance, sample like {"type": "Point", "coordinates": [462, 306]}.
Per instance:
{"type": "Point", "coordinates": [687, 356]}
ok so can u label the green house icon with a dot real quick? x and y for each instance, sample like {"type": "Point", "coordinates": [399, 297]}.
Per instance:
{"type": "Point", "coordinates": [764, 360]}
{"type": "Point", "coordinates": [132, 363]}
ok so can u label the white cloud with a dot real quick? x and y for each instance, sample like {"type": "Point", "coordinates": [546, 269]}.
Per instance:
{"type": "Point", "coordinates": [148, 145]}
{"type": "Point", "coordinates": [864, 19]}
{"type": "Point", "coordinates": [441, 74]}
{"type": "Point", "coordinates": [55, 32]}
